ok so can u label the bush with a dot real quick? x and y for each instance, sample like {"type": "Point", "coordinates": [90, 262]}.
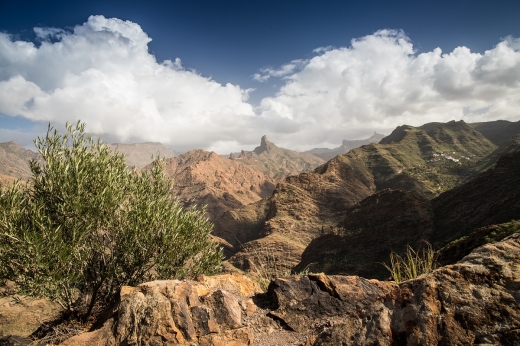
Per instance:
{"type": "Point", "coordinates": [85, 225]}
{"type": "Point", "coordinates": [412, 264]}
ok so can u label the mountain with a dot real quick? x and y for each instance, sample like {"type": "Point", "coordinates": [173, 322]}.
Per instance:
{"type": "Point", "coordinates": [509, 142]}
{"type": "Point", "coordinates": [140, 154]}
{"type": "Point", "coordinates": [202, 177]}
{"type": "Point", "coordinates": [390, 220]}
{"type": "Point", "coordinates": [496, 131]}
{"type": "Point", "coordinates": [346, 145]}
{"type": "Point", "coordinates": [425, 160]}
{"type": "Point", "coordinates": [14, 162]}
{"type": "Point", "coordinates": [277, 162]}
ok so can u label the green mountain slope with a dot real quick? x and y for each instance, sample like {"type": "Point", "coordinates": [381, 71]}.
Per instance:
{"type": "Point", "coordinates": [463, 217]}
{"type": "Point", "coordinates": [426, 161]}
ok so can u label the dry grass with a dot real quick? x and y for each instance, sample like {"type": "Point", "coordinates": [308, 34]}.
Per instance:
{"type": "Point", "coordinates": [412, 264]}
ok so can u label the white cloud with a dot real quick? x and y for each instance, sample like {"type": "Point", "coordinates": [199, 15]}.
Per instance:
{"type": "Point", "coordinates": [102, 73]}
{"type": "Point", "coordinates": [284, 70]}
{"type": "Point", "coordinates": [380, 82]}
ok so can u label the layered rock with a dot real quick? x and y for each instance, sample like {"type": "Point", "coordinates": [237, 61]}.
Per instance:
{"type": "Point", "coordinates": [206, 178]}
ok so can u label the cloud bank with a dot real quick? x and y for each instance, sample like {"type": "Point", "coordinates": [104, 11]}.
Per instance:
{"type": "Point", "coordinates": [102, 73]}
{"type": "Point", "coordinates": [380, 82]}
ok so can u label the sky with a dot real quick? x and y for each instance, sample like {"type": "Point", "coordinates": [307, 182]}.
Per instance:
{"type": "Point", "coordinates": [217, 75]}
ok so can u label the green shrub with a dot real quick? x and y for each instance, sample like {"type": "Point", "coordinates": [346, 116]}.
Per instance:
{"type": "Point", "coordinates": [85, 225]}
{"type": "Point", "coordinates": [412, 264]}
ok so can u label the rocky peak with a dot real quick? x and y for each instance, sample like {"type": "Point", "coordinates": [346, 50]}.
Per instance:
{"type": "Point", "coordinates": [265, 146]}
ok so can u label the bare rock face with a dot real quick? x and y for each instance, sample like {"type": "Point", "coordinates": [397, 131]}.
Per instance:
{"type": "Point", "coordinates": [22, 316]}
{"type": "Point", "coordinates": [209, 311]}
{"type": "Point", "coordinates": [476, 301]}
{"type": "Point", "coordinates": [206, 178]}
{"type": "Point", "coordinates": [278, 162]}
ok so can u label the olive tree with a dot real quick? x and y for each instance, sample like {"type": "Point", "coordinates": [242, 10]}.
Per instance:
{"type": "Point", "coordinates": [85, 225]}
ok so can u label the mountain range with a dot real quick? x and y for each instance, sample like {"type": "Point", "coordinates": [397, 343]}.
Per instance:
{"type": "Point", "coordinates": [279, 210]}
{"type": "Point", "coordinates": [327, 154]}
{"type": "Point", "coordinates": [410, 166]}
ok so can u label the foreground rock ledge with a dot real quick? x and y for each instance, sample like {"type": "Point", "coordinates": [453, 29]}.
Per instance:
{"type": "Point", "coordinates": [476, 301]}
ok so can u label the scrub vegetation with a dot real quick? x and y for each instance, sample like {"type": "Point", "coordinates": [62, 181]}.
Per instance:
{"type": "Point", "coordinates": [85, 225]}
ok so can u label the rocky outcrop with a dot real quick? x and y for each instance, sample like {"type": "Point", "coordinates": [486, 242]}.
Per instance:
{"type": "Point", "coordinates": [476, 301]}
{"type": "Point", "coordinates": [206, 178]}
{"type": "Point", "coordinates": [208, 311]}
{"type": "Point", "coordinates": [277, 162]}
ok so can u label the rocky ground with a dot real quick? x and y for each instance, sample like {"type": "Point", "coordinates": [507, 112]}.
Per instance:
{"type": "Point", "coordinates": [473, 302]}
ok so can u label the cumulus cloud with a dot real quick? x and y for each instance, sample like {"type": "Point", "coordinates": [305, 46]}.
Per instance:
{"type": "Point", "coordinates": [103, 73]}
{"type": "Point", "coordinates": [284, 70]}
{"type": "Point", "coordinates": [380, 82]}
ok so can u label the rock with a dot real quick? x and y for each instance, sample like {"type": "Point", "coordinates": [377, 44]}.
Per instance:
{"type": "Point", "coordinates": [208, 311]}
{"type": "Point", "coordinates": [14, 341]}
{"type": "Point", "coordinates": [311, 302]}
{"type": "Point", "coordinates": [206, 178]}
{"type": "Point", "coordinates": [22, 316]}
{"type": "Point", "coordinates": [476, 301]}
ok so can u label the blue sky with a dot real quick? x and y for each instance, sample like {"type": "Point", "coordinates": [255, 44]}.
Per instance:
{"type": "Point", "coordinates": [228, 48]}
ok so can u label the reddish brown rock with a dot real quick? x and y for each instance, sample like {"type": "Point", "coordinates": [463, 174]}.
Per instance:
{"type": "Point", "coordinates": [209, 311]}
{"type": "Point", "coordinates": [476, 301]}
{"type": "Point", "coordinates": [206, 178]}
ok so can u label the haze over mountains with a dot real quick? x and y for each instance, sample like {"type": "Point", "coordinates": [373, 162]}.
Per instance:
{"type": "Point", "coordinates": [346, 145]}
{"type": "Point", "coordinates": [277, 162]}
{"type": "Point", "coordinates": [141, 154]}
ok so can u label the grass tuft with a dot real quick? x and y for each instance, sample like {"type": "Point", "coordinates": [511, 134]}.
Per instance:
{"type": "Point", "coordinates": [412, 264]}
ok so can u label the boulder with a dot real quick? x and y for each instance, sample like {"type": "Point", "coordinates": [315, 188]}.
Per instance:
{"type": "Point", "coordinates": [207, 311]}
{"type": "Point", "coordinates": [476, 301]}
{"type": "Point", "coordinates": [22, 315]}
